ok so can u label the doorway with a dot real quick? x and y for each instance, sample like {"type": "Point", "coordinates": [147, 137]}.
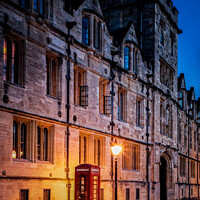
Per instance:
{"type": "Point", "coordinates": [163, 178]}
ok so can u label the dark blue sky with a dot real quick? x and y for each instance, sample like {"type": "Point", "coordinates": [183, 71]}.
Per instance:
{"type": "Point", "coordinates": [189, 42]}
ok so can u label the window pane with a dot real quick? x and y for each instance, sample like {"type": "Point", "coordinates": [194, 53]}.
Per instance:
{"type": "Point", "coordinates": [127, 194]}
{"type": "Point", "coordinates": [5, 61]}
{"type": "Point", "coordinates": [36, 5]}
{"type": "Point", "coordinates": [126, 58]}
{"type": "Point", "coordinates": [23, 141]}
{"type": "Point", "coordinates": [85, 31]}
{"type": "Point", "coordinates": [15, 127]}
{"type": "Point", "coordinates": [41, 6]}
{"type": "Point", "coordinates": [45, 145]}
{"type": "Point", "coordinates": [39, 143]}
{"type": "Point", "coordinates": [84, 150]}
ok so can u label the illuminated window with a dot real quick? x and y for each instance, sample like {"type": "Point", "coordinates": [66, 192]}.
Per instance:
{"type": "Point", "coordinates": [126, 58]}
{"type": "Point", "coordinates": [97, 151]}
{"type": "Point", "coordinates": [52, 76]}
{"type": "Point", "coordinates": [91, 149]}
{"type": "Point", "coordinates": [85, 30]}
{"type": "Point", "coordinates": [20, 143]}
{"type": "Point", "coordinates": [12, 61]}
{"type": "Point", "coordinates": [131, 157]}
{"type": "Point", "coordinates": [42, 143]}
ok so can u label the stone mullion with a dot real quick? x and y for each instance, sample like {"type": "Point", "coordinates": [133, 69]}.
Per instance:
{"type": "Point", "coordinates": [91, 29]}
{"type": "Point", "coordinates": [131, 58]}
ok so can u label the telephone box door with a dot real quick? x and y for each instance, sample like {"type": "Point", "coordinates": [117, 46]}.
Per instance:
{"type": "Point", "coordinates": [87, 182]}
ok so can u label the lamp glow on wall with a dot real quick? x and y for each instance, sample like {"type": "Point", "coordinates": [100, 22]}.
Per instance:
{"type": "Point", "coordinates": [116, 150]}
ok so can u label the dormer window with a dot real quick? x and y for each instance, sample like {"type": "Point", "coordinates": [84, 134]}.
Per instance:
{"type": "Point", "coordinates": [181, 99]}
{"type": "Point", "coordinates": [85, 30]}
{"type": "Point", "coordinates": [126, 58]}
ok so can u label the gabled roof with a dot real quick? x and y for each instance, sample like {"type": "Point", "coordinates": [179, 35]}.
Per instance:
{"type": "Point", "coordinates": [120, 34]}
{"type": "Point", "coordinates": [76, 3]}
{"type": "Point", "coordinates": [181, 82]}
{"type": "Point", "coordinates": [191, 95]}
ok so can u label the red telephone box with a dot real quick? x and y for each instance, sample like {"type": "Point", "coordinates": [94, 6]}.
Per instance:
{"type": "Point", "coordinates": [87, 182]}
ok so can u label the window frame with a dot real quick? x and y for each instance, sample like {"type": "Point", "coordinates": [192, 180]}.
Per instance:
{"type": "Point", "coordinates": [126, 57]}
{"type": "Point", "coordinates": [13, 65]}
{"type": "Point", "coordinates": [52, 76]}
{"type": "Point", "coordinates": [122, 105]}
{"type": "Point", "coordinates": [86, 31]}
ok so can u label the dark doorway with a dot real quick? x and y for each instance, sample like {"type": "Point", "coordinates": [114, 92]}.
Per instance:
{"type": "Point", "coordinates": [163, 178]}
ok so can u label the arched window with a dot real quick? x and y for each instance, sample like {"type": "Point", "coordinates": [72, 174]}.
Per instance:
{"type": "Point", "coordinates": [12, 61]}
{"type": "Point", "coordinates": [23, 141]}
{"type": "Point", "coordinates": [126, 58]}
{"type": "Point", "coordinates": [39, 143]}
{"type": "Point", "coordinates": [45, 145]}
{"type": "Point", "coordinates": [15, 135]}
{"type": "Point", "coordinates": [181, 99]}
{"type": "Point", "coordinates": [52, 76]}
{"type": "Point", "coordinates": [85, 30]}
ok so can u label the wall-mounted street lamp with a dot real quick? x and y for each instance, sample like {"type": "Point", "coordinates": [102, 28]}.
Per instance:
{"type": "Point", "coordinates": [116, 150]}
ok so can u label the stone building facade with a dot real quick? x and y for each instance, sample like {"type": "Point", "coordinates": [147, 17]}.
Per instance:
{"type": "Point", "coordinates": [78, 76]}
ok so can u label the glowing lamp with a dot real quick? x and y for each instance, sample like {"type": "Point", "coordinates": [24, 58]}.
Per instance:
{"type": "Point", "coordinates": [116, 149]}
{"type": "Point", "coordinates": [13, 154]}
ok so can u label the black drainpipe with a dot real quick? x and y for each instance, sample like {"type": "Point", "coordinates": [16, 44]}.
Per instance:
{"type": "Point", "coordinates": [112, 92]}
{"type": "Point", "coordinates": [147, 135]}
{"type": "Point", "coordinates": [69, 25]}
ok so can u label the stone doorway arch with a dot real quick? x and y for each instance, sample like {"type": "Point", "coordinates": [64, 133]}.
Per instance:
{"type": "Point", "coordinates": [165, 177]}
